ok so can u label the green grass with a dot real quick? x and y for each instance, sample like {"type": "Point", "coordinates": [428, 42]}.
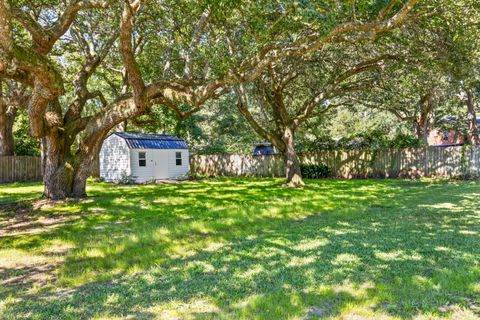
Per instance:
{"type": "Point", "coordinates": [243, 249]}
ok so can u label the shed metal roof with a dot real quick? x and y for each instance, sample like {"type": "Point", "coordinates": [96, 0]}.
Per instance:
{"type": "Point", "coordinates": [264, 148]}
{"type": "Point", "coordinates": [453, 119]}
{"type": "Point", "coordinates": [152, 141]}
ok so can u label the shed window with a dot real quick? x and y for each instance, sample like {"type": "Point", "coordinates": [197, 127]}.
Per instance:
{"type": "Point", "coordinates": [142, 159]}
{"type": "Point", "coordinates": [178, 158]}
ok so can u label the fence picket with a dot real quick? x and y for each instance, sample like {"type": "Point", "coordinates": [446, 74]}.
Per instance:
{"type": "Point", "coordinates": [26, 168]}
{"type": "Point", "coordinates": [388, 163]}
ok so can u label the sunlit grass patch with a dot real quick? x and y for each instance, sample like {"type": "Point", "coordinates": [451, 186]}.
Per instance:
{"type": "Point", "coordinates": [178, 309]}
{"type": "Point", "coordinates": [15, 258]}
{"type": "Point", "coordinates": [19, 191]}
{"type": "Point", "coordinates": [244, 249]}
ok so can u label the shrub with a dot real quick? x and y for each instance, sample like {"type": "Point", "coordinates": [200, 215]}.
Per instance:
{"type": "Point", "coordinates": [96, 179]}
{"type": "Point", "coordinates": [315, 171]}
{"type": "Point", "coordinates": [404, 141]}
{"type": "Point", "coordinates": [126, 179]}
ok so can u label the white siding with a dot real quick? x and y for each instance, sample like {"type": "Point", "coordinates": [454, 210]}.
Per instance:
{"type": "Point", "coordinates": [160, 164]}
{"type": "Point", "coordinates": [175, 171]}
{"type": "Point", "coordinates": [142, 174]}
{"type": "Point", "coordinates": [114, 158]}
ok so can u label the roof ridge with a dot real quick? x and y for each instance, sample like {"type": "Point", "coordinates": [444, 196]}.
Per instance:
{"type": "Point", "coordinates": [148, 136]}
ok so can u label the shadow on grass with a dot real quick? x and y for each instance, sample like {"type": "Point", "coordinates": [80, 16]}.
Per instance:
{"type": "Point", "coordinates": [240, 248]}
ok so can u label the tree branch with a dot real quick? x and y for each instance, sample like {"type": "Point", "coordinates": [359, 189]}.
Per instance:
{"type": "Point", "coordinates": [202, 22]}
{"type": "Point", "coordinates": [6, 42]}
{"type": "Point", "coordinates": [92, 62]}
{"type": "Point", "coordinates": [332, 88]}
{"type": "Point", "coordinates": [98, 94]}
{"type": "Point", "coordinates": [242, 105]}
{"type": "Point", "coordinates": [135, 79]}
{"type": "Point", "coordinates": [45, 38]}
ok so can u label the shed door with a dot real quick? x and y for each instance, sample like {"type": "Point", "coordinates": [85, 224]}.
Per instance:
{"type": "Point", "coordinates": [160, 164]}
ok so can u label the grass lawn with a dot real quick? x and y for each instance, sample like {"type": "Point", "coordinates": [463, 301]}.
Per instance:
{"type": "Point", "coordinates": [243, 249]}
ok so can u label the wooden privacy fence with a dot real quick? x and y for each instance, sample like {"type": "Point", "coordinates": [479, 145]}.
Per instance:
{"type": "Point", "coordinates": [26, 168]}
{"type": "Point", "coordinates": [20, 168]}
{"type": "Point", "coordinates": [441, 162]}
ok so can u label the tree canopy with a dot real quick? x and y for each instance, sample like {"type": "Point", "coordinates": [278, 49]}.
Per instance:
{"type": "Point", "coordinates": [228, 73]}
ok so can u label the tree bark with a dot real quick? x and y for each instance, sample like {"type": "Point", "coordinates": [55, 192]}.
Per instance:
{"type": "Point", "coordinates": [58, 169]}
{"type": "Point", "coordinates": [7, 118]}
{"type": "Point", "coordinates": [292, 163]}
{"type": "Point", "coordinates": [79, 188]}
{"type": "Point", "coordinates": [473, 137]}
{"type": "Point", "coordinates": [66, 175]}
{"type": "Point", "coordinates": [85, 158]}
{"type": "Point", "coordinates": [421, 132]}
{"type": "Point", "coordinates": [426, 108]}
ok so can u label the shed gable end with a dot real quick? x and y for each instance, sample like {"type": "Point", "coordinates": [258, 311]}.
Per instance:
{"type": "Point", "coordinates": [114, 159]}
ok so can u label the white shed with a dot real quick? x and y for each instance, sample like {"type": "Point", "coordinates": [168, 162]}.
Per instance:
{"type": "Point", "coordinates": [143, 157]}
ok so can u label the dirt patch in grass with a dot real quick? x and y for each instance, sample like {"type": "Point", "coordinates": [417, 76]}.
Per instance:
{"type": "Point", "coordinates": [28, 274]}
{"type": "Point", "coordinates": [24, 277]}
{"type": "Point", "coordinates": [29, 225]}
{"type": "Point", "coordinates": [16, 208]}
{"type": "Point", "coordinates": [27, 218]}
{"type": "Point", "coordinates": [22, 274]}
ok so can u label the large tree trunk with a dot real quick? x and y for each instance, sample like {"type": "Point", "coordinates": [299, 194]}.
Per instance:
{"type": "Point", "coordinates": [58, 170]}
{"type": "Point", "coordinates": [85, 158]}
{"type": "Point", "coordinates": [426, 108]}
{"type": "Point", "coordinates": [7, 118]}
{"type": "Point", "coordinates": [81, 175]}
{"type": "Point", "coordinates": [422, 128]}
{"type": "Point", "coordinates": [66, 175]}
{"type": "Point", "coordinates": [473, 137]}
{"type": "Point", "coordinates": [292, 163]}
